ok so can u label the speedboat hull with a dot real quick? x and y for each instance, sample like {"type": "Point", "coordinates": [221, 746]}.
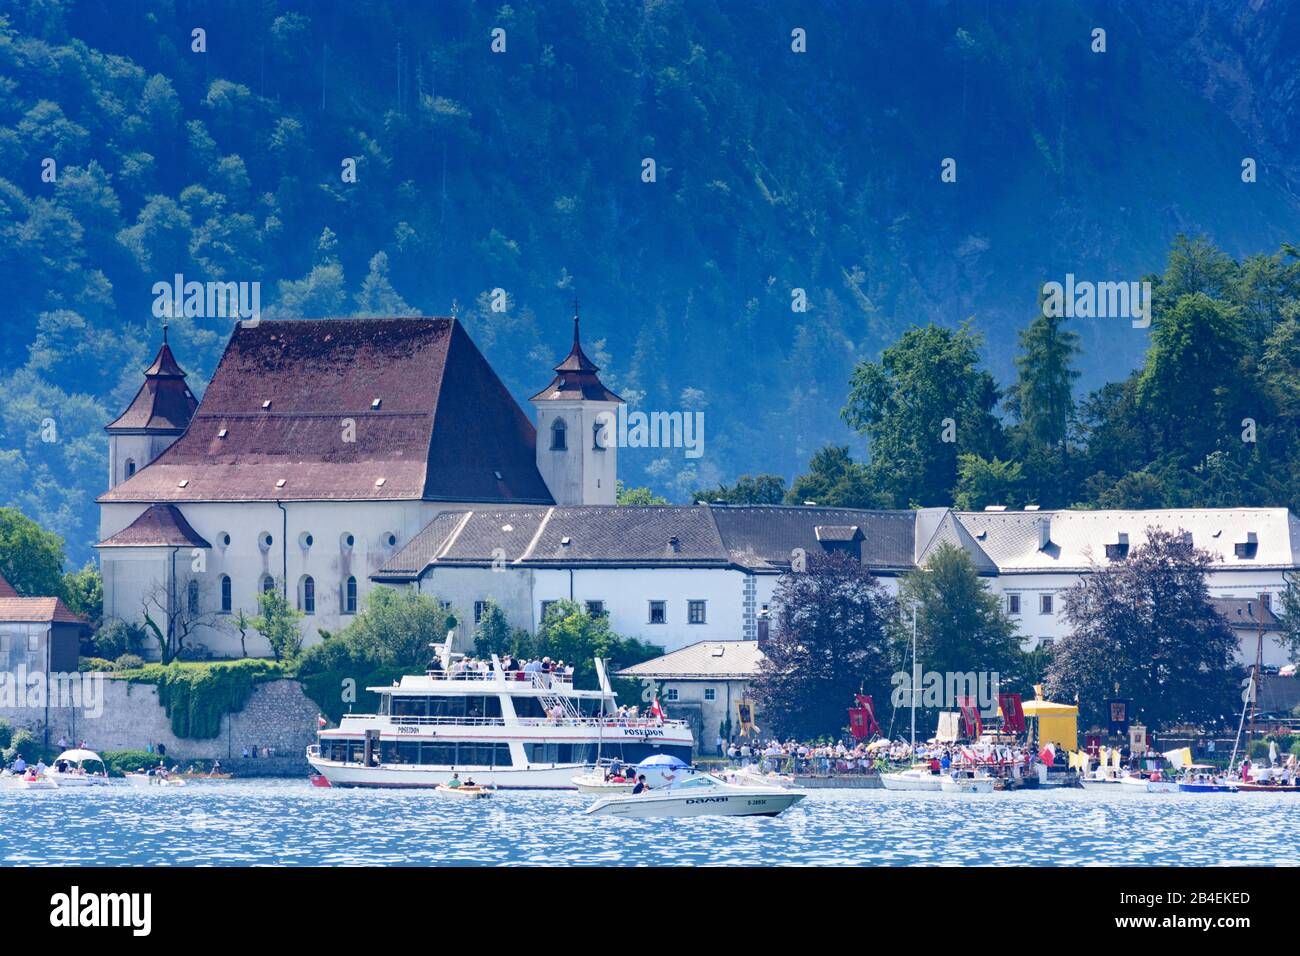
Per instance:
{"type": "Point", "coordinates": [1144, 785]}
{"type": "Point", "coordinates": [1206, 788]}
{"type": "Point", "coordinates": [597, 784]}
{"type": "Point", "coordinates": [744, 802]}
{"type": "Point", "coordinates": [966, 785]}
{"type": "Point", "coordinates": [912, 780]}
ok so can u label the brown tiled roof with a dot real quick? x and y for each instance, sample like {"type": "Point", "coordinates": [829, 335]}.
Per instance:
{"type": "Point", "coordinates": [159, 526]}
{"type": "Point", "coordinates": [38, 610]}
{"type": "Point", "coordinates": [6, 589]}
{"type": "Point", "coordinates": [576, 378]}
{"type": "Point", "coordinates": [444, 428]}
{"type": "Point", "coordinates": [164, 402]}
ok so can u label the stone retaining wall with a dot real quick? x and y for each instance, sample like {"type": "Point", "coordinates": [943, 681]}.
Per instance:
{"type": "Point", "coordinates": [278, 715]}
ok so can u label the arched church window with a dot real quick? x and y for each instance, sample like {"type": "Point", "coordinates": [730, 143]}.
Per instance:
{"type": "Point", "coordinates": [350, 596]}
{"type": "Point", "coordinates": [268, 584]}
{"type": "Point", "coordinates": [192, 593]}
{"type": "Point", "coordinates": [225, 594]}
{"type": "Point", "coordinates": [559, 435]}
{"type": "Point", "coordinates": [130, 467]}
{"type": "Point", "coordinates": [307, 595]}
{"type": "Point", "coordinates": [599, 439]}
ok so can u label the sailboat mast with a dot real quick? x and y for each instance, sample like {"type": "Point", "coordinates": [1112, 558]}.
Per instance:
{"type": "Point", "coordinates": [916, 679]}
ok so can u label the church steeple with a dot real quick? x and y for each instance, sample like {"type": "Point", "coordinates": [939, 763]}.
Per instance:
{"type": "Point", "coordinates": [576, 376]}
{"type": "Point", "coordinates": [156, 417]}
{"type": "Point", "coordinates": [576, 430]}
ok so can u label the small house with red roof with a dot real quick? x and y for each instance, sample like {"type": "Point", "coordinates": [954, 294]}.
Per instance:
{"type": "Point", "coordinates": [37, 634]}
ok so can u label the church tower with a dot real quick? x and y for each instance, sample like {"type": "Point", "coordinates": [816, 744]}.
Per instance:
{"type": "Point", "coordinates": [577, 451]}
{"type": "Point", "coordinates": [156, 417]}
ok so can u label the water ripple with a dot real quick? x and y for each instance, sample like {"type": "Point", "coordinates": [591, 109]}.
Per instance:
{"type": "Point", "coordinates": [288, 823]}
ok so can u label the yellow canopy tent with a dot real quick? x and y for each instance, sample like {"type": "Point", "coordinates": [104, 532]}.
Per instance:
{"type": "Point", "coordinates": [1057, 723]}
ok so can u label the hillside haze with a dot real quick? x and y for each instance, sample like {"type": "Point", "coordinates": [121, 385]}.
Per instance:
{"type": "Point", "coordinates": [523, 171]}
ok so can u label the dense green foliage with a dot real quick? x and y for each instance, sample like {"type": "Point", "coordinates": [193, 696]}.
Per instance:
{"type": "Point", "coordinates": [197, 696]}
{"type": "Point", "coordinates": [1144, 629]}
{"type": "Point", "coordinates": [393, 635]}
{"type": "Point", "coordinates": [830, 641]}
{"type": "Point", "coordinates": [960, 627]}
{"type": "Point", "coordinates": [278, 621]}
{"type": "Point", "coordinates": [522, 171]}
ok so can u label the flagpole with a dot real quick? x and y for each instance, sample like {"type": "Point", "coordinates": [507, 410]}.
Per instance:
{"type": "Point", "coordinates": [915, 680]}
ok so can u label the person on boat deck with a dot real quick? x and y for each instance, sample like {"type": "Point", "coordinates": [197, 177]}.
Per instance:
{"type": "Point", "coordinates": [454, 781]}
{"type": "Point", "coordinates": [20, 764]}
{"type": "Point", "coordinates": [469, 782]}
{"type": "Point", "coordinates": [641, 785]}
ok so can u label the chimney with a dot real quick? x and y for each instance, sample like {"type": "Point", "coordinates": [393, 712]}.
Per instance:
{"type": "Point", "coordinates": [1044, 533]}
{"type": "Point", "coordinates": [674, 545]}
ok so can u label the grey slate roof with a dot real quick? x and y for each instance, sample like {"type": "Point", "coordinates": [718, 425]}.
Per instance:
{"type": "Point", "coordinates": [760, 538]}
{"type": "Point", "coordinates": [1078, 538]}
{"type": "Point", "coordinates": [1245, 613]}
{"type": "Point", "coordinates": [715, 660]}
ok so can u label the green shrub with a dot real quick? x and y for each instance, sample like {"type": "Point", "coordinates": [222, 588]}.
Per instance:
{"type": "Point", "coordinates": [6, 734]}
{"type": "Point", "coordinates": [23, 742]}
{"type": "Point", "coordinates": [197, 695]}
{"type": "Point", "coordinates": [128, 662]}
{"type": "Point", "coordinates": [92, 664]}
{"type": "Point", "coordinates": [115, 638]}
{"type": "Point", "coordinates": [121, 762]}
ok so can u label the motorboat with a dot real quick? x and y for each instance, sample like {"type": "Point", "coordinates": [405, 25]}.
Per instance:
{"type": "Point", "coordinates": [751, 775]}
{"type": "Point", "coordinates": [31, 780]}
{"type": "Point", "coordinates": [69, 769]}
{"type": "Point", "coordinates": [699, 795]}
{"type": "Point", "coordinates": [604, 778]}
{"type": "Point", "coordinates": [917, 777]}
{"type": "Point", "coordinates": [966, 782]}
{"type": "Point", "coordinates": [1204, 778]}
{"type": "Point", "coordinates": [1149, 785]}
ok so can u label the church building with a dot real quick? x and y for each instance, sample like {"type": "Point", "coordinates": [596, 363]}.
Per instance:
{"type": "Point", "coordinates": [328, 457]}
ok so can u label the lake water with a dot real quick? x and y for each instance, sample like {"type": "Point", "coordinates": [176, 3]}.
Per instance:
{"type": "Point", "coordinates": [293, 823]}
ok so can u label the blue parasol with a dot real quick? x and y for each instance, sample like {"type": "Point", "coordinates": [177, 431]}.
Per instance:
{"type": "Point", "coordinates": [662, 760]}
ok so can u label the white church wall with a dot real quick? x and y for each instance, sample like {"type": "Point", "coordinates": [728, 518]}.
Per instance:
{"type": "Point", "coordinates": [378, 530]}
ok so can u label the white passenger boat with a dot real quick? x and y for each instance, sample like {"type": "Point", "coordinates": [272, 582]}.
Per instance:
{"type": "Point", "coordinates": [699, 796]}
{"type": "Point", "coordinates": [70, 769]}
{"type": "Point", "coordinates": [32, 781]}
{"type": "Point", "coordinates": [510, 729]}
{"type": "Point", "coordinates": [918, 777]}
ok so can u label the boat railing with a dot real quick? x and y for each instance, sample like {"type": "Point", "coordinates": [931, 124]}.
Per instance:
{"type": "Point", "coordinates": [537, 679]}
{"type": "Point", "coordinates": [416, 721]}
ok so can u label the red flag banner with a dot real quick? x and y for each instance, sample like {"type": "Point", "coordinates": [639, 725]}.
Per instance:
{"type": "Point", "coordinates": [865, 703]}
{"type": "Point", "coordinates": [858, 723]}
{"type": "Point", "coordinates": [970, 717]}
{"type": "Point", "coordinates": [1013, 715]}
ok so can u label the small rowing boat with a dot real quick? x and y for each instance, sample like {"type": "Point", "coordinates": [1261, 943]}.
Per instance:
{"type": "Point", "coordinates": [466, 792]}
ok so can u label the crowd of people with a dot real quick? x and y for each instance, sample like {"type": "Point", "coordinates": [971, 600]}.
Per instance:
{"type": "Point", "coordinates": [515, 668]}
{"type": "Point", "coordinates": [822, 759]}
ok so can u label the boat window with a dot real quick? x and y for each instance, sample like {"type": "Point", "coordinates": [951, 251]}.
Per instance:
{"type": "Point", "coordinates": [439, 754]}
{"type": "Point", "coordinates": [529, 708]}
{"type": "Point", "coordinates": [410, 707]}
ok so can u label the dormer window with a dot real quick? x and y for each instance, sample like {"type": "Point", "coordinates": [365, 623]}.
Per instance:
{"type": "Point", "coordinates": [1119, 550]}
{"type": "Point", "coordinates": [1249, 548]}
{"type": "Point", "coordinates": [559, 436]}
{"type": "Point", "coordinates": [222, 433]}
{"type": "Point", "coordinates": [266, 405]}
{"type": "Point", "coordinates": [376, 403]}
